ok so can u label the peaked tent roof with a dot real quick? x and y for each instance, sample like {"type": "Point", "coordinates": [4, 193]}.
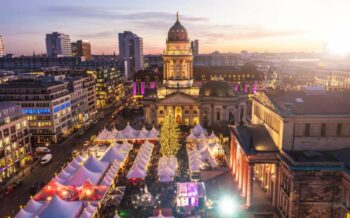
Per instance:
{"type": "Point", "coordinates": [113, 154]}
{"type": "Point", "coordinates": [33, 206]}
{"type": "Point", "coordinates": [82, 175]}
{"type": "Point", "coordinates": [24, 214]}
{"type": "Point", "coordinates": [95, 165]}
{"type": "Point", "coordinates": [136, 172]}
{"type": "Point", "coordinates": [58, 208]}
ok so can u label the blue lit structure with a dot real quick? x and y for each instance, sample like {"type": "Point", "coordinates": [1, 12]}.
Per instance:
{"type": "Point", "coordinates": [37, 111]}
{"type": "Point", "coordinates": [61, 107]}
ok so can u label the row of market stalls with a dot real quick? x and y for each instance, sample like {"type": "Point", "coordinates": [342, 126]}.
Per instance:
{"type": "Point", "coordinates": [128, 133]}
{"type": "Point", "coordinates": [139, 168]}
{"type": "Point", "coordinates": [201, 150]}
{"type": "Point", "coordinates": [79, 187]}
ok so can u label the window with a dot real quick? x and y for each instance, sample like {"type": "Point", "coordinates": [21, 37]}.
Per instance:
{"type": "Point", "coordinates": [218, 115]}
{"type": "Point", "coordinates": [323, 129]}
{"type": "Point", "coordinates": [307, 129]}
{"type": "Point", "coordinates": [339, 129]}
{"type": "Point", "coordinates": [231, 117]}
{"type": "Point", "coordinates": [205, 115]}
{"type": "Point", "coordinates": [13, 129]}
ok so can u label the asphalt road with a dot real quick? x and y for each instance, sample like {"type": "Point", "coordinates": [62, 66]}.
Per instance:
{"type": "Point", "coordinates": [9, 205]}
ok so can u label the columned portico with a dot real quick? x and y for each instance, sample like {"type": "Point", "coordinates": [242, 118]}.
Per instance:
{"type": "Point", "coordinates": [248, 166]}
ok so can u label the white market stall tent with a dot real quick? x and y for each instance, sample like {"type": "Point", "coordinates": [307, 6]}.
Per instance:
{"type": "Point", "coordinates": [167, 167]}
{"type": "Point", "coordinates": [140, 165]}
{"type": "Point", "coordinates": [128, 133]}
{"type": "Point", "coordinates": [56, 208]}
{"type": "Point", "coordinates": [83, 180]}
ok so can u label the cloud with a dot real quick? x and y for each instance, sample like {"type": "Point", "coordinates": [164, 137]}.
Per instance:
{"type": "Point", "coordinates": [99, 34]}
{"type": "Point", "coordinates": [113, 13]}
{"type": "Point", "coordinates": [213, 34]}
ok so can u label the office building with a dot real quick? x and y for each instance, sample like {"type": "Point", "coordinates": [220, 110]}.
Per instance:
{"type": "Point", "coordinates": [15, 148]}
{"type": "Point", "coordinates": [58, 45]}
{"type": "Point", "coordinates": [217, 59]}
{"type": "Point", "coordinates": [130, 53]}
{"type": "Point", "coordinates": [47, 104]}
{"type": "Point", "coordinates": [83, 97]}
{"type": "Point", "coordinates": [295, 153]}
{"type": "Point", "coordinates": [83, 49]}
{"type": "Point", "coordinates": [109, 86]}
{"type": "Point", "coordinates": [2, 47]}
{"type": "Point", "coordinates": [74, 47]}
{"type": "Point", "coordinates": [153, 61]}
{"type": "Point", "coordinates": [195, 47]}
{"type": "Point", "coordinates": [38, 62]}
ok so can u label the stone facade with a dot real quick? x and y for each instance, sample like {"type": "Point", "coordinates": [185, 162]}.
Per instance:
{"type": "Point", "coordinates": [299, 158]}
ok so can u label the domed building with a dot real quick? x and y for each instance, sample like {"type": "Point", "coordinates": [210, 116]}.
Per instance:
{"type": "Point", "coordinates": [214, 103]}
{"type": "Point", "coordinates": [220, 104]}
{"type": "Point", "coordinates": [178, 61]}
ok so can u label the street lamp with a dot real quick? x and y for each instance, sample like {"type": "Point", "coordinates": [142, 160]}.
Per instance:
{"type": "Point", "coordinates": [229, 206]}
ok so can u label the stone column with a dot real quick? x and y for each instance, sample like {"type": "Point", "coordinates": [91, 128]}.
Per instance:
{"type": "Point", "coordinates": [233, 157]}
{"type": "Point", "coordinates": [250, 185]}
{"type": "Point", "coordinates": [212, 115]}
{"type": "Point", "coordinates": [245, 179]}
{"type": "Point", "coordinates": [237, 165]}
{"type": "Point", "coordinates": [241, 173]}
{"type": "Point", "coordinates": [276, 185]}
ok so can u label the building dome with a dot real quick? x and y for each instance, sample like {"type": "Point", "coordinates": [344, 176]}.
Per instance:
{"type": "Point", "coordinates": [216, 88]}
{"type": "Point", "coordinates": [177, 32]}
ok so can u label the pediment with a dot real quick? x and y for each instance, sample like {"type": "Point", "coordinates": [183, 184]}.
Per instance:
{"type": "Point", "coordinates": [178, 98]}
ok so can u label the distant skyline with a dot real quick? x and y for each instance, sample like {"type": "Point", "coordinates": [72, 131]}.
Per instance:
{"type": "Point", "coordinates": [226, 26]}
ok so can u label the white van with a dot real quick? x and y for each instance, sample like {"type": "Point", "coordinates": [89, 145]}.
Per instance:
{"type": "Point", "coordinates": [46, 159]}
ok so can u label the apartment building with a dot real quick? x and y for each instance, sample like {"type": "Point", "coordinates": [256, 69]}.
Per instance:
{"type": "Point", "coordinates": [83, 97]}
{"type": "Point", "coordinates": [15, 147]}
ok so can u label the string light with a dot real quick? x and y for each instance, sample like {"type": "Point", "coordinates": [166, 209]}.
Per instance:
{"type": "Point", "coordinates": [169, 136]}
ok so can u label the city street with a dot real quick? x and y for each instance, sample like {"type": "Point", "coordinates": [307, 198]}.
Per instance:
{"type": "Point", "coordinates": [43, 174]}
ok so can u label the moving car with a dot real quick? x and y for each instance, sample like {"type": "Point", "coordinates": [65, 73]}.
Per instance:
{"type": "Point", "coordinates": [46, 159]}
{"type": "Point", "coordinates": [42, 150]}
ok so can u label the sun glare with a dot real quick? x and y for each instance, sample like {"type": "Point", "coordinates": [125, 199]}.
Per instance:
{"type": "Point", "coordinates": [339, 42]}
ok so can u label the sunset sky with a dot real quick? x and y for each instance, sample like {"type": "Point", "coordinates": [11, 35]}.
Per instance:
{"type": "Point", "coordinates": [227, 26]}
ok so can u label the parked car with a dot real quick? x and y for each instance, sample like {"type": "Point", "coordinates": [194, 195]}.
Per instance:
{"type": "Point", "coordinates": [42, 150]}
{"type": "Point", "coordinates": [46, 159]}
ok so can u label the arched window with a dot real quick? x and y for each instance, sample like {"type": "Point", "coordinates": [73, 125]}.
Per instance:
{"type": "Point", "coordinates": [205, 115]}
{"type": "Point", "coordinates": [218, 115]}
{"type": "Point", "coordinates": [231, 117]}
{"type": "Point", "coordinates": [242, 113]}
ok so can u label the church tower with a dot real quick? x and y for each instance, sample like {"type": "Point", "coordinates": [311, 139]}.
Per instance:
{"type": "Point", "coordinates": [178, 58]}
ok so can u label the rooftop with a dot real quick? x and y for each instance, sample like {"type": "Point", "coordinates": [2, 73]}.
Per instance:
{"type": "Point", "coordinates": [254, 138]}
{"type": "Point", "coordinates": [30, 83]}
{"type": "Point", "coordinates": [9, 109]}
{"type": "Point", "coordinates": [311, 102]}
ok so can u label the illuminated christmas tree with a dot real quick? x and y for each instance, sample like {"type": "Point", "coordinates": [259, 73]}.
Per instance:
{"type": "Point", "coordinates": [169, 136]}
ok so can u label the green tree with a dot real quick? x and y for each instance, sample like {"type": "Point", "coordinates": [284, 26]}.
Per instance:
{"type": "Point", "coordinates": [169, 136]}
